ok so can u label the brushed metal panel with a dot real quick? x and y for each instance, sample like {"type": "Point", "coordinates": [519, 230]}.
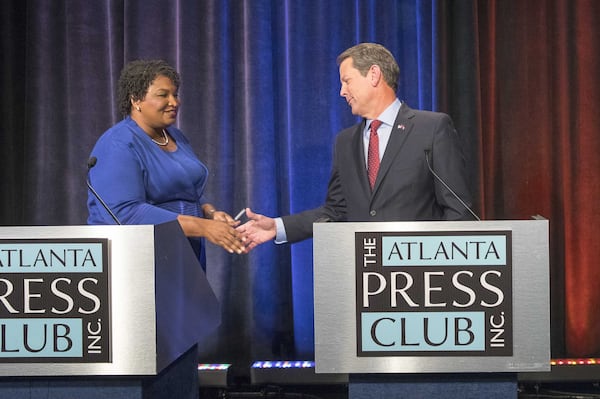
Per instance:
{"type": "Point", "coordinates": [131, 251]}
{"type": "Point", "coordinates": [335, 301]}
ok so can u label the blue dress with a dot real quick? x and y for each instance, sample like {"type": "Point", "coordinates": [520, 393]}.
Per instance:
{"type": "Point", "coordinates": [143, 184]}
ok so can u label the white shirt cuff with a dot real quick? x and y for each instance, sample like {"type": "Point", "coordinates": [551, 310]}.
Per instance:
{"type": "Point", "coordinates": [281, 236]}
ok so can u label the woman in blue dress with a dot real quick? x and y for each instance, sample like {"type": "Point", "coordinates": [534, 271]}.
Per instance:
{"type": "Point", "coordinates": [146, 171]}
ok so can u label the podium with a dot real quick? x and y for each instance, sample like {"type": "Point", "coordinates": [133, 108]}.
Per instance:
{"type": "Point", "coordinates": [101, 311]}
{"type": "Point", "coordinates": [432, 309]}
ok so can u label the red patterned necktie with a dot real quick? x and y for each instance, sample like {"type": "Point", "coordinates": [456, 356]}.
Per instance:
{"type": "Point", "coordinates": [373, 155]}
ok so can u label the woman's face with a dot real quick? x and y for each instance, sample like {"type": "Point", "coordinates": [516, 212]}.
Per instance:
{"type": "Point", "coordinates": [158, 109]}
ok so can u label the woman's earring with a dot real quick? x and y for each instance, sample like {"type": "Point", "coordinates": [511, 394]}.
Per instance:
{"type": "Point", "coordinates": [138, 108]}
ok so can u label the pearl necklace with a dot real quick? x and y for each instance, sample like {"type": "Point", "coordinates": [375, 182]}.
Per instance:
{"type": "Point", "coordinates": [166, 138]}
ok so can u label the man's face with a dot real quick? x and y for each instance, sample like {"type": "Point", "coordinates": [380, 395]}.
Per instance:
{"type": "Point", "coordinates": [356, 89]}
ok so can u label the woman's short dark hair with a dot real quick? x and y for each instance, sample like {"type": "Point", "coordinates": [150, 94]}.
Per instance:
{"type": "Point", "coordinates": [137, 76]}
{"type": "Point", "coordinates": [365, 55]}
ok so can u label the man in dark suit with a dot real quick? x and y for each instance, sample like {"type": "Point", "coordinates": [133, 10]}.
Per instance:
{"type": "Point", "coordinates": [383, 175]}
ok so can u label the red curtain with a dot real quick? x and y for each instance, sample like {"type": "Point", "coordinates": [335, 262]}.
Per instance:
{"type": "Point", "coordinates": [539, 88]}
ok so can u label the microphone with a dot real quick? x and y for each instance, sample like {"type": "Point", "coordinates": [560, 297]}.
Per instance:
{"type": "Point", "coordinates": [427, 151]}
{"type": "Point", "coordinates": [91, 163]}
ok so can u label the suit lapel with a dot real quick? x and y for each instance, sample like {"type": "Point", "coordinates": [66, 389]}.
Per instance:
{"type": "Point", "coordinates": [400, 131]}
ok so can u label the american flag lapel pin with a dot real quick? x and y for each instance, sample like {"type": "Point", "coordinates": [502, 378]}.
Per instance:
{"type": "Point", "coordinates": [401, 127]}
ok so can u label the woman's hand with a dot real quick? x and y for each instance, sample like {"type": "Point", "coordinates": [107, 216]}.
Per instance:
{"type": "Point", "coordinates": [223, 234]}
{"type": "Point", "coordinates": [225, 217]}
{"type": "Point", "coordinates": [210, 212]}
{"type": "Point", "coordinates": [218, 232]}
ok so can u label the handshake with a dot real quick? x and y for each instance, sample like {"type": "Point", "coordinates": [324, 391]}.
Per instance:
{"type": "Point", "coordinates": [256, 230]}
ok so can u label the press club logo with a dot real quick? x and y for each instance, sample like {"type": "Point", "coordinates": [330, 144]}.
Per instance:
{"type": "Point", "coordinates": [54, 301]}
{"type": "Point", "coordinates": [434, 294]}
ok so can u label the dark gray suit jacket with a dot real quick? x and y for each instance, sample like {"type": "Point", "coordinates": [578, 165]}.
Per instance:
{"type": "Point", "coordinates": [405, 189]}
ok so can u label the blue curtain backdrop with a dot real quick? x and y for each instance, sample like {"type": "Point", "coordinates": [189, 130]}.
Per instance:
{"type": "Point", "coordinates": [260, 104]}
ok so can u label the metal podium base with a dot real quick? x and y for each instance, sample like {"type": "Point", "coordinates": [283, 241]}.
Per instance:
{"type": "Point", "coordinates": [439, 386]}
{"type": "Point", "coordinates": [178, 380]}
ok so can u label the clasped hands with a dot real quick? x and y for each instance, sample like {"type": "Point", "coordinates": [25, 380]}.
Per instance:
{"type": "Point", "coordinates": [257, 230]}
{"type": "Point", "coordinates": [221, 229]}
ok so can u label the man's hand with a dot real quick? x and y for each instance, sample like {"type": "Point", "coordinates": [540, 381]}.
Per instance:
{"type": "Point", "coordinates": [257, 230]}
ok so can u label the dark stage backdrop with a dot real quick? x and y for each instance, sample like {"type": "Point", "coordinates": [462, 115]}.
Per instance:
{"type": "Point", "coordinates": [261, 106]}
